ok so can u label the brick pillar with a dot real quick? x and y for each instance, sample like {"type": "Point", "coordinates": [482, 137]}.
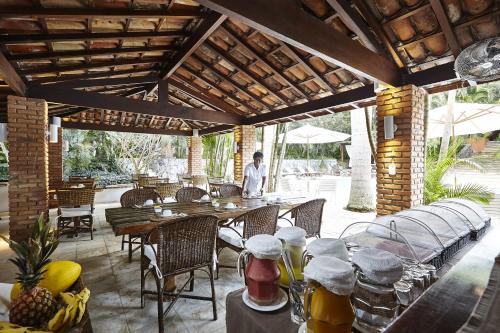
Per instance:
{"type": "Point", "coordinates": [195, 165]}
{"type": "Point", "coordinates": [404, 189]}
{"type": "Point", "coordinates": [244, 136]}
{"type": "Point", "coordinates": [56, 162]}
{"type": "Point", "coordinates": [28, 163]}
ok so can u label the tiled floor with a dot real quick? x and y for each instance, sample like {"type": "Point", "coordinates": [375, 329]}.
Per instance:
{"type": "Point", "coordinates": [114, 283]}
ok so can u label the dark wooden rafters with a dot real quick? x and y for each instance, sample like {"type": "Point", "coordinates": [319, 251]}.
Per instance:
{"type": "Point", "coordinates": [355, 23]}
{"type": "Point", "coordinates": [223, 77]}
{"type": "Point", "coordinates": [23, 39]}
{"type": "Point", "coordinates": [446, 28]}
{"type": "Point", "coordinates": [223, 54]}
{"type": "Point", "coordinates": [276, 71]}
{"type": "Point", "coordinates": [309, 34]}
{"type": "Point", "coordinates": [112, 63]}
{"type": "Point", "coordinates": [378, 30]}
{"type": "Point", "coordinates": [205, 29]}
{"type": "Point", "coordinates": [213, 85]}
{"type": "Point", "coordinates": [121, 128]}
{"type": "Point", "coordinates": [108, 82]}
{"type": "Point", "coordinates": [303, 61]}
{"type": "Point", "coordinates": [107, 74]}
{"type": "Point", "coordinates": [117, 103]}
{"type": "Point", "coordinates": [11, 77]}
{"type": "Point", "coordinates": [205, 98]}
{"type": "Point", "coordinates": [187, 12]}
{"type": "Point", "coordinates": [84, 53]}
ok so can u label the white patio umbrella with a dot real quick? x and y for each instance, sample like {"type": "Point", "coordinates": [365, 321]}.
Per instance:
{"type": "Point", "coordinates": [468, 118]}
{"type": "Point", "coordinates": [308, 134]}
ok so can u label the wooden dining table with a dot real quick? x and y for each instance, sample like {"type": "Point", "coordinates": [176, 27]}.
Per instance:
{"type": "Point", "coordinates": [139, 221]}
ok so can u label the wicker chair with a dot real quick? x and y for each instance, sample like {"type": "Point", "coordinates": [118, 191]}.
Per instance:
{"type": "Point", "coordinates": [167, 190]}
{"type": "Point", "coordinates": [255, 222]}
{"type": "Point", "coordinates": [175, 247]}
{"type": "Point", "coordinates": [188, 194]}
{"type": "Point", "coordinates": [75, 181]}
{"type": "Point", "coordinates": [230, 190]}
{"type": "Point", "coordinates": [145, 181]}
{"type": "Point", "coordinates": [130, 199]}
{"type": "Point", "coordinates": [75, 210]}
{"type": "Point", "coordinates": [308, 216]}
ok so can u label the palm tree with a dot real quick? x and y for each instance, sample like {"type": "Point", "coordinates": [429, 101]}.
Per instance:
{"type": "Point", "coordinates": [436, 169]}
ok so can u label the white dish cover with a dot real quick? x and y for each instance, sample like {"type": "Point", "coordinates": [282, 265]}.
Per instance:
{"type": "Point", "coordinates": [331, 247]}
{"type": "Point", "coordinates": [294, 236]}
{"type": "Point", "coordinates": [264, 247]}
{"type": "Point", "coordinates": [332, 273]}
{"type": "Point", "coordinates": [276, 305]}
{"type": "Point", "coordinates": [378, 265]}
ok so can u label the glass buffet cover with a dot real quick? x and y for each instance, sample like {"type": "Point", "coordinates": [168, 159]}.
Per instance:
{"type": "Point", "coordinates": [473, 214]}
{"type": "Point", "coordinates": [455, 220]}
{"type": "Point", "coordinates": [396, 234]}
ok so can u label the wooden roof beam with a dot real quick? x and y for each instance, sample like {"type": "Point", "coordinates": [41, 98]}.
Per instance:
{"type": "Point", "coordinates": [52, 69]}
{"type": "Point", "coordinates": [355, 23]}
{"type": "Point", "coordinates": [240, 67]}
{"type": "Point", "coordinates": [446, 28]}
{"type": "Point", "coordinates": [107, 82]}
{"type": "Point", "coordinates": [26, 39]}
{"type": "Point", "coordinates": [205, 98]}
{"type": "Point", "coordinates": [379, 30]}
{"type": "Point", "coordinates": [121, 128]}
{"type": "Point", "coordinates": [205, 29]}
{"type": "Point", "coordinates": [84, 53]}
{"type": "Point", "coordinates": [11, 77]}
{"type": "Point", "coordinates": [187, 12]}
{"type": "Point", "coordinates": [108, 74]}
{"type": "Point", "coordinates": [276, 71]}
{"type": "Point", "coordinates": [310, 35]}
{"type": "Point", "coordinates": [117, 103]}
{"type": "Point", "coordinates": [213, 85]}
{"type": "Point", "coordinates": [222, 76]}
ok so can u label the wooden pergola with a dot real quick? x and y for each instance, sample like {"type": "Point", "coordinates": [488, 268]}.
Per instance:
{"type": "Point", "coordinates": [169, 67]}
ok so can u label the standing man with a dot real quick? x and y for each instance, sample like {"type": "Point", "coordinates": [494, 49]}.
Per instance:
{"type": "Point", "coordinates": [255, 175]}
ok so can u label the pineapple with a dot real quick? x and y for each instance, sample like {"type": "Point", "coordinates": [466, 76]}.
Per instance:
{"type": "Point", "coordinates": [34, 306]}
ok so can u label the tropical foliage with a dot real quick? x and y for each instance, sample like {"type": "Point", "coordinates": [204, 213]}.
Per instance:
{"type": "Point", "coordinates": [217, 150]}
{"type": "Point", "coordinates": [436, 169]}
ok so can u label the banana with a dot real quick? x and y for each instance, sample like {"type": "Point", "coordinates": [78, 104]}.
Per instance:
{"type": "Point", "coordinates": [72, 314]}
{"type": "Point", "coordinates": [6, 327]}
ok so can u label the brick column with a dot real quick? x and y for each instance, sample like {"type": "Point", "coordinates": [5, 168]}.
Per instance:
{"type": "Point", "coordinates": [404, 189]}
{"type": "Point", "coordinates": [195, 165]}
{"type": "Point", "coordinates": [56, 162]}
{"type": "Point", "coordinates": [28, 163]}
{"type": "Point", "coordinates": [244, 136]}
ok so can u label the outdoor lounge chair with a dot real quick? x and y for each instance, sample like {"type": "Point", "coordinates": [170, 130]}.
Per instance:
{"type": "Point", "coordinates": [176, 247]}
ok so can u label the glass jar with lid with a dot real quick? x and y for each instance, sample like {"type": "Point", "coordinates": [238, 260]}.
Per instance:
{"type": "Point", "coordinates": [374, 297]}
{"type": "Point", "coordinates": [327, 302]}
{"type": "Point", "coordinates": [259, 258]}
{"type": "Point", "coordinates": [294, 243]}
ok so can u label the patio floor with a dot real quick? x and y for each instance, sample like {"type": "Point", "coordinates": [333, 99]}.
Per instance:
{"type": "Point", "coordinates": [114, 283]}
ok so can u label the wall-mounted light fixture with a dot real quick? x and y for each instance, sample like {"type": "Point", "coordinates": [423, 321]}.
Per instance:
{"type": "Point", "coordinates": [235, 147]}
{"type": "Point", "coordinates": [379, 87]}
{"type": "Point", "coordinates": [389, 127]}
{"type": "Point", "coordinates": [196, 132]}
{"type": "Point", "coordinates": [55, 123]}
{"type": "Point", "coordinates": [392, 169]}
{"type": "Point", "coordinates": [3, 132]}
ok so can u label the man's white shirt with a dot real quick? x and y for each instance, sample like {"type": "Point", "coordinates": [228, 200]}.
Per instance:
{"type": "Point", "coordinates": [254, 177]}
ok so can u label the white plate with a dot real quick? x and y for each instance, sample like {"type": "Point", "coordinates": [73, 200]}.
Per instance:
{"type": "Point", "coordinates": [276, 305]}
{"type": "Point", "coordinates": [302, 328]}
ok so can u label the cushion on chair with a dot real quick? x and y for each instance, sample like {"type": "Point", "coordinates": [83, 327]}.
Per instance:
{"type": "Point", "coordinates": [5, 289]}
{"type": "Point", "coordinates": [150, 253]}
{"type": "Point", "coordinates": [85, 210]}
{"type": "Point", "coordinates": [230, 236]}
